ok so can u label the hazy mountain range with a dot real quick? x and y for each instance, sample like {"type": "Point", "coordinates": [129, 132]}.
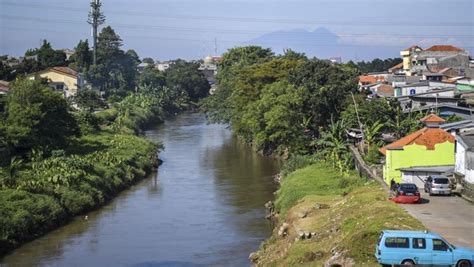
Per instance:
{"type": "Point", "coordinates": [323, 43]}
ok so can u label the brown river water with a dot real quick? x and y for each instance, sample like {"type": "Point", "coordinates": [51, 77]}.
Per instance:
{"type": "Point", "coordinates": [204, 207]}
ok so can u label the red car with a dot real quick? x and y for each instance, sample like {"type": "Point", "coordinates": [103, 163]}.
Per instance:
{"type": "Point", "coordinates": [407, 194]}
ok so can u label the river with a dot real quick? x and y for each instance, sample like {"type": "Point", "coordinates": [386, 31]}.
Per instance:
{"type": "Point", "coordinates": [204, 206]}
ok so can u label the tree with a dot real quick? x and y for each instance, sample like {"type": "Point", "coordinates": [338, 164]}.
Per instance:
{"type": "Point", "coordinates": [88, 100]}
{"type": "Point", "coordinates": [47, 56]}
{"type": "Point", "coordinates": [187, 76]}
{"type": "Point", "coordinates": [82, 56]}
{"type": "Point", "coordinates": [108, 45]}
{"type": "Point", "coordinates": [37, 117]}
{"type": "Point", "coordinates": [329, 86]}
{"type": "Point", "coordinates": [151, 77]}
{"type": "Point", "coordinates": [149, 61]}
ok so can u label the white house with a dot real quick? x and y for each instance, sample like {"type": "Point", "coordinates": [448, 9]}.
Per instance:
{"type": "Point", "coordinates": [464, 167]}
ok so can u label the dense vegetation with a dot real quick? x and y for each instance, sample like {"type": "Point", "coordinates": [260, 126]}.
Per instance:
{"type": "Point", "coordinates": [290, 105]}
{"type": "Point", "coordinates": [377, 65]}
{"type": "Point", "coordinates": [63, 157]}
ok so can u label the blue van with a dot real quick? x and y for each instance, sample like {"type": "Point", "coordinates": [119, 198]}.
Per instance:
{"type": "Point", "coordinates": [420, 248]}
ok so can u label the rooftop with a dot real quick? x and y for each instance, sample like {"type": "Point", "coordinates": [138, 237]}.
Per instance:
{"type": "Point", "coordinates": [436, 169]}
{"type": "Point", "coordinates": [432, 118]}
{"type": "Point", "coordinates": [428, 137]}
{"type": "Point", "coordinates": [467, 138]}
{"type": "Point", "coordinates": [65, 70]}
{"type": "Point", "coordinates": [444, 48]}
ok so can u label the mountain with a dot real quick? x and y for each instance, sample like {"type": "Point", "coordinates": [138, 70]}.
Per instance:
{"type": "Point", "coordinates": [322, 43]}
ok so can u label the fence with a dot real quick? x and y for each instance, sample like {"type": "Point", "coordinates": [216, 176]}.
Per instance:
{"type": "Point", "coordinates": [365, 170]}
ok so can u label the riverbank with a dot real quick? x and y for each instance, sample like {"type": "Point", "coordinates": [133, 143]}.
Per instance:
{"type": "Point", "coordinates": [84, 176]}
{"type": "Point", "coordinates": [327, 218]}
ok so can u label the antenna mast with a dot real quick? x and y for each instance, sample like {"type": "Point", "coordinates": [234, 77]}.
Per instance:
{"type": "Point", "coordinates": [96, 18]}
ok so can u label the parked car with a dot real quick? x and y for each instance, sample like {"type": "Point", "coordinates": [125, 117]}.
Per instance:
{"type": "Point", "coordinates": [407, 193]}
{"type": "Point", "coordinates": [420, 248]}
{"type": "Point", "coordinates": [437, 184]}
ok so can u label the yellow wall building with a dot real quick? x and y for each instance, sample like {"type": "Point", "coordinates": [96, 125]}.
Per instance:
{"type": "Point", "coordinates": [62, 79]}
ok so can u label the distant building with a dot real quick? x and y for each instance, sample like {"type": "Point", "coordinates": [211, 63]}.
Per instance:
{"type": "Point", "coordinates": [62, 79]}
{"type": "Point", "coordinates": [417, 61]}
{"type": "Point", "coordinates": [335, 60]}
{"type": "Point", "coordinates": [465, 85]}
{"type": "Point", "coordinates": [163, 65]}
{"type": "Point", "coordinates": [141, 67]}
{"type": "Point", "coordinates": [68, 53]}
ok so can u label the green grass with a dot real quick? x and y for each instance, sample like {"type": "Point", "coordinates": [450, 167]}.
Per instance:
{"type": "Point", "coordinates": [351, 224]}
{"type": "Point", "coordinates": [316, 179]}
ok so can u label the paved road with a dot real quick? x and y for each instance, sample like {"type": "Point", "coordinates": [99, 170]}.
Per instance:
{"type": "Point", "coordinates": [452, 217]}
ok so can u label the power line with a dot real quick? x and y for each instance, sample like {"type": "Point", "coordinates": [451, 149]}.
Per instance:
{"type": "Point", "coordinates": [359, 22]}
{"type": "Point", "coordinates": [211, 40]}
{"type": "Point", "coordinates": [246, 32]}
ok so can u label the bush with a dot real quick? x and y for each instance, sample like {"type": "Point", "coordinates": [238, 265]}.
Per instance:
{"type": "Point", "coordinates": [297, 162]}
{"type": "Point", "coordinates": [24, 216]}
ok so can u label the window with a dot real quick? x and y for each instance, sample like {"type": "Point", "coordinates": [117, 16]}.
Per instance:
{"type": "Point", "coordinates": [441, 181]}
{"type": "Point", "coordinates": [419, 243]}
{"type": "Point", "coordinates": [60, 87]}
{"type": "Point", "coordinates": [396, 242]}
{"type": "Point", "coordinates": [439, 245]}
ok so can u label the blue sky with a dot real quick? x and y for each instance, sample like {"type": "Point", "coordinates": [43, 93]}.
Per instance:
{"type": "Point", "coordinates": [166, 29]}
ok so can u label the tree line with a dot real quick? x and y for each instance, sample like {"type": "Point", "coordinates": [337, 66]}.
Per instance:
{"type": "Point", "coordinates": [293, 105]}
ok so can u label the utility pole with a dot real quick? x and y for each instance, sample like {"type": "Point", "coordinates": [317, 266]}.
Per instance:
{"type": "Point", "coordinates": [215, 46]}
{"type": "Point", "coordinates": [96, 18]}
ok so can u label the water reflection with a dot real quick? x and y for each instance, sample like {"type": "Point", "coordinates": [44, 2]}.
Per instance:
{"type": "Point", "coordinates": [203, 207]}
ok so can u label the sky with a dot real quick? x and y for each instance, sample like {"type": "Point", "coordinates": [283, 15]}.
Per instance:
{"type": "Point", "coordinates": [193, 29]}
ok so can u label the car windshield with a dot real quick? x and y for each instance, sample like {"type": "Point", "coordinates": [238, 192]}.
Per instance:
{"type": "Point", "coordinates": [441, 181]}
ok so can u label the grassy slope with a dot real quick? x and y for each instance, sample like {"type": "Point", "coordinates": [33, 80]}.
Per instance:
{"type": "Point", "coordinates": [356, 213]}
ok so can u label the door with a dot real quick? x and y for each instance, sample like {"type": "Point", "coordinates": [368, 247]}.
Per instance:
{"type": "Point", "coordinates": [421, 254]}
{"type": "Point", "coordinates": [442, 254]}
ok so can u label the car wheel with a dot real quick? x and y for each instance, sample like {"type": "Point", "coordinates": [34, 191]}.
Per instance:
{"type": "Point", "coordinates": [408, 263]}
{"type": "Point", "coordinates": [463, 263]}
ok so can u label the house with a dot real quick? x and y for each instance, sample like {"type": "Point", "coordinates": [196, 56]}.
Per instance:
{"type": "Point", "coordinates": [141, 67]}
{"type": "Point", "coordinates": [465, 84]}
{"type": "Point", "coordinates": [163, 65]}
{"type": "Point", "coordinates": [4, 87]}
{"type": "Point", "coordinates": [439, 56]}
{"type": "Point", "coordinates": [62, 79]}
{"type": "Point", "coordinates": [397, 69]}
{"type": "Point", "coordinates": [445, 110]}
{"type": "Point", "coordinates": [464, 167]}
{"type": "Point", "coordinates": [365, 81]}
{"type": "Point", "coordinates": [458, 127]}
{"type": "Point", "coordinates": [407, 55]}
{"type": "Point", "coordinates": [427, 147]}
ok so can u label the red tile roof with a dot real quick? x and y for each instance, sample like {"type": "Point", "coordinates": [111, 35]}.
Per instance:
{"type": "Point", "coordinates": [385, 90]}
{"type": "Point", "coordinates": [371, 79]}
{"type": "Point", "coordinates": [433, 118]}
{"type": "Point", "coordinates": [65, 70]}
{"type": "Point", "coordinates": [445, 48]}
{"type": "Point", "coordinates": [428, 137]}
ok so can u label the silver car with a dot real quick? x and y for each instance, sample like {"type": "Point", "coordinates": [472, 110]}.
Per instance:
{"type": "Point", "coordinates": [437, 185]}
